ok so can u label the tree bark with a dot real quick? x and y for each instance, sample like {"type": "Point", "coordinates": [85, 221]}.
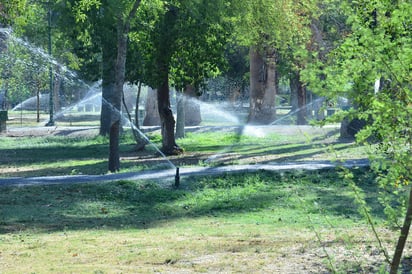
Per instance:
{"type": "Point", "coordinates": [167, 121]}
{"type": "Point", "coordinates": [56, 90]}
{"type": "Point", "coordinates": [114, 157]}
{"type": "Point", "coordinates": [123, 28]}
{"type": "Point", "coordinates": [37, 105]}
{"type": "Point", "coordinates": [299, 89]}
{"type": "Point", "coordinates": [402, 238]}
{"type": "Point", "coordinates": [262, 86]}
{"type": "Point", "coordinates": [136, 112]}
{"type": "Point", "coordinates": [3, 47]}
{"type": "Point", "coordinates": [108, 85]}
{"type": "Point", "coordinates": [151, 117]}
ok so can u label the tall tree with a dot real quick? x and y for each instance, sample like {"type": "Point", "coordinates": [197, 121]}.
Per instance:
{"type": "Point", "coordinates": [184, 45]}
{"type": "Point", "coordinates": [96, 32]}
{"type": "Point", "coordinates": [269, 29]}
{"type": "Point", "coordinates": [123, 29]}
{"type": "Point", "coordinates": [101, 21]}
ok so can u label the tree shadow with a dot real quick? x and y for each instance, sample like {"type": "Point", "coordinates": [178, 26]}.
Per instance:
{"type": "Point", "coordinates": [283, 153]}
{"type": "Point", "coordinates": [52, 153]}
{"type": "Point", "coordinates": [125, 204]}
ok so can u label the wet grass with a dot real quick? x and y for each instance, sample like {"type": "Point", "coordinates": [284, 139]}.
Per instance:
{"type": "Point", "coordinates": [236, 223]}
{"type": "Point", "coordinates": [65, 155]}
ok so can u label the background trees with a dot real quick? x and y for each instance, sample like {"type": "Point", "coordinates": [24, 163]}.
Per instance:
{"type": "Point", "coordinates": [182, 45]}
{"type": "Point", "coordinates": [272, 30]}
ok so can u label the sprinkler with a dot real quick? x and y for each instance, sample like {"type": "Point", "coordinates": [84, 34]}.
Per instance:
{"type": "Point", "coordinates": [177, 178]}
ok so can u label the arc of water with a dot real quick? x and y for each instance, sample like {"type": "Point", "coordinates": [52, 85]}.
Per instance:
{"type": "Point", "coordinates": [65, 73]}
{"type": "Point", "coordinates": [51, 60]}
{"type": "Point", "coordinates": [133, 126]}
{"type": "Point", "coordinates": [296, 111]}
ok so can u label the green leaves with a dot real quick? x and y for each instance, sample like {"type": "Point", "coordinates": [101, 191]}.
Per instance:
{"type": "Point", "coordinates": [82, 7]}
{"type": "Point", "coordinates": [378, 50]}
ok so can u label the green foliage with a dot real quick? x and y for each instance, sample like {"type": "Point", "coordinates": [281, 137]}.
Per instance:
{"type": "Point", "coordinates": [276, 24]}
{"type": "Point", "coordinates": [11, 10]}
{"type": "Point", "coordinates": [23, 73]}
{"type": "Point", "coordinates": [378, 49]}
{"type": "Point", "coordinates": [187, 38]}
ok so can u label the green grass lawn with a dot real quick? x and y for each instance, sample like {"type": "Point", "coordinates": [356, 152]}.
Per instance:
{"type": "Point", "coordinates": [294, 222]}
{"type": "Point", "coordinates": [65, 155]}
{"type": "Point", "coordinates": [267, 222]}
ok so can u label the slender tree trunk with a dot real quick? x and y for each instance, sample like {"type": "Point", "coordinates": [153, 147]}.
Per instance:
{"type": "Point", "coordinates": [293, 94]}
{"type": "Point", "coordinates": [108, 85]}
{"type": "Point", "coordinates": [301, 115]}
{"type": "Point", "coordinates": [136, 112]}
{"type": "Point", "coordinates": [262, 86]}
{"type": "Point", "coordinates": [56, 90]}
{"type": "Point", "coordinates": [3, 47]}
{"type": "Point", "coordinates": [114, 157]}
{"type": "Point", "coordinates": [37, 105]}
{"type": "Point", "coordinates": [299, 89]}
{"type": "Point", "coordinates": [402, 238]}
{"type": "Point", "coordinates": [5, 104]}
{"type": "Point", "coordinates": [123, 28]}
{"type": "Point", "coordinates": [167, 121]}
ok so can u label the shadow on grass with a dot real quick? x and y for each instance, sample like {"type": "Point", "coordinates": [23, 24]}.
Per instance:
{"type": "Point", "coordinates": [52, 153]}
{"type": "Point", "coordinates": [141, 205]}
{"type": "Point", "coordinates": [284, 153]}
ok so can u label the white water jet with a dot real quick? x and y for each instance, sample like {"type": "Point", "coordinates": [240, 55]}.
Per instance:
{"type": "Point", "coordinates": [216, 112]}
{"type": "Point", "coordinates": [65, 72]}
{"type": "Point", "coordinates": [297, 110]}
{"type": "Point", "coordinates": [255, 131]}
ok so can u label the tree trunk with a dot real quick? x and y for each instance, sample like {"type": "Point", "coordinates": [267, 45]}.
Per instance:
{"type": "Point", "coordinates": [191, 107]}
{"type": "Point", "coordinates": [300, 90]}
{"type": "Point", "coordinates": [114, 157]}
{"type": "Point", "coordinates": [37, 105]}
{"type": "Point", "coordinates": [180, 115]}
{"type": "Point", "coordinates": [167, 121]}
{"type": "Point", "coordinates": [3, 47]}
{"type": "Point", "coordinates": [136, 112]}
{"type": "Point", "coordinates": [301, 115]}
{"type": "Point", "coordinates": [262, 86]}
{"type": "Point", "coordinates": [402, 238]}
{"type": "Point", "coordinates": [108, 85]}
{"type": "Point", "coordinates": [5, 104]}
{"type": "Point", "coordinates": [123, 28]}
{"type": "Point", "coordinates": [151, 117]}
{"type": "Point", "coordinates": [56, 90]}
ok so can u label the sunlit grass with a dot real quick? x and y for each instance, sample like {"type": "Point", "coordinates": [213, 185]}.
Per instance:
{"type": "Point", "coordinates": [236, 223]}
